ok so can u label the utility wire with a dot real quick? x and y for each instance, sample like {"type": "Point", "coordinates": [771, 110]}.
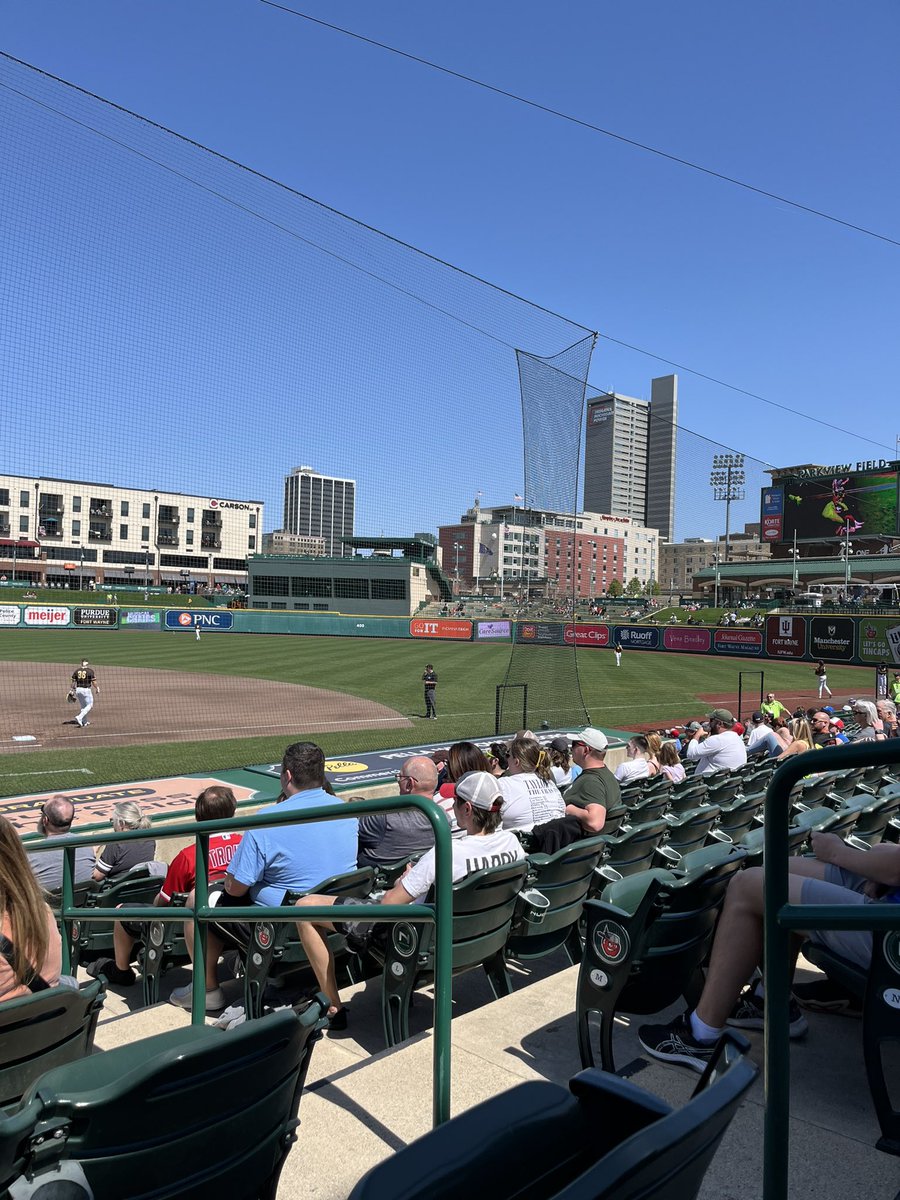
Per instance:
{"type": "Point", "coordinates": [609, 133]}
{"type": "Point", "coordinates": [251, 212]}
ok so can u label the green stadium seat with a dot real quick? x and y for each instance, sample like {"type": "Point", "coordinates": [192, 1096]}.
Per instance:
{"type": "Point", "coordinates": [193, 1114]}
{"type": "Point", "coordinates": [562, 881]}
{"type": "Point", "coordinates": [754, 843]}
{"type": "Point", "coordinates": [686, 796]}
{"type": "Point", "coordinates": [602, 1139]}
{"type": "Point", "coordinates": [484, 903]}
{"type": "Point", "coordinates": [45, 1030]}
{"type": "Point", "coordinates": [649, 808]}
{"type": "Point", "coordinates": [844, 784]}
{"type": "Point", "coordinates": [741, 815]}
{"type": "Point", "coordinates": [275, 952]}
{"type": "Point", "coordinates": [879, 990]}
{"type": "Point", "coordinates": [629, 852]}
{"type": "Point", "coordinates": [92, 938]}
{"type": "Point", "coordinates": [645, 943]}
{"type": "Point", "coordinates": [686, 832]}
{"type": "Point", "coordinates": [722, 787]}
{"type": "Point", "coordinates": [163, 945]}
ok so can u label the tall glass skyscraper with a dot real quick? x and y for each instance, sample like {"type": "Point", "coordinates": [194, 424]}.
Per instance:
{"type": "Point", "coordinates": [629, 459]}
{"type": "Point", "coordinates": [320, 506]}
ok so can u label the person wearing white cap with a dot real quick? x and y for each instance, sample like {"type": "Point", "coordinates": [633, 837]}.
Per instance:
{"type": "Point", "coordinates": [477, 805]}
{"type": "Point", "coordinates": [596, 789]}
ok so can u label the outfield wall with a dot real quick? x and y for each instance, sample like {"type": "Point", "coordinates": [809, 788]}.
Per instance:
{"type": "Point", "coordinates": [855, 640]}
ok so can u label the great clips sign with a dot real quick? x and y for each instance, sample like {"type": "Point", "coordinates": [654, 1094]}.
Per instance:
{"type": "Point", "coordinates": [586, 635]}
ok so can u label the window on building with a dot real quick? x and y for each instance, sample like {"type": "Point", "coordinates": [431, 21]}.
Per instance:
{"type": "Point", "coordinates": [23, 498]}
{"type": "Point", "coordinates": [145, 512]}
{"type": "Point", "coordinates": [76, 529]}
{"type": "Point", "coordinates": [253, 520]}
{"type": "Point", "coordinates": [123, 533]}
{"type": "Point", "coordinates": [351, 589]}
{"type": "Point", "coordinates": [189, 537]}
{"type": "Point", "coordinates": [388, 589]}
{"type": "Point", "coordinates": [190, 516]}
{"type": "Point", "coordinates": [310, 586]}
{"type": "Point", "coordinates": [283, 604]}
{"type": "Point", "coordinates": [300, 606]}
{"type": "Point", "coordinates": [317, 607]}
{"type": "Point", "coordinates": [23, 524]}
{"type": "Point", "coordinates": [123, 508]}
{"type": "Point", "coordinates": [145, 533]}
{"type": "Point", "coordinates": [251, 542]}
{"type": "Point", "coordinates": [76, 504]}
{"type": "Point", "coordinates": [272, 585]}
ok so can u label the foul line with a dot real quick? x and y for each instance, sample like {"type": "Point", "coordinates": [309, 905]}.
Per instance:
{"type": "Point", "coordinates": [24, 774]}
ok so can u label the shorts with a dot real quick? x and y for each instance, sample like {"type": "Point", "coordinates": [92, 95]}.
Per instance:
{"type": "Point", "coordinates": [840, 887]}
{"type": "Point", "coordinates": [233, 933]}
{"type": "Point", "coordinates": [361, 934]}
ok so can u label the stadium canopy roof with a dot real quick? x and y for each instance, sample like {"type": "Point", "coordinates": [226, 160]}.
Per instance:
{"type": "Point", "coordinates": [868, 569]}
{"type": "Point", "coordinates": [419, 549]}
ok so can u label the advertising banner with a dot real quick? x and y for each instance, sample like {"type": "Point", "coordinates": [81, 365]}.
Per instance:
{"type": "Point", "coordinates": [630, 638]}
{"type": "Point", "coordinates": [487, 631]}
{"type": "Point", "coordinates": [140, 618]}
{"type": "Point", "coordinates": [831, 637]}
{"type": "Point", "coordinates": [539, 633]}
{"type": "Point", "coordinates": [586, 635]}
{"type": "Point", "coordinates": [772, 514]}
{"type": "Point", "coordinates": [9, 614]}
{"type": "Point", "coordinates": [206, 620]}
{"type": "Point", "coordinates": [694, 641]}
{"type": "Point", "coordinates": [47, 616]}
{"type": "Point", "coordinates": [785, 637]}
{"type": "Point", "coordinates": [873, 641]}
{"type": "Point", "coordinates": [460, 631]}
{"type": "Point", "coordinates": [737, 641]}
{"type": "Point", "coordinates": [104, 617]}
{"type": "Point", "coordinates": [893, 639]}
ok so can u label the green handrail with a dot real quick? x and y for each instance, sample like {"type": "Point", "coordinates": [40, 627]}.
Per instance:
{"type": "Point", "coordinates": [780, 919]}
{"type": "Point", "coordinates": [441, 914]}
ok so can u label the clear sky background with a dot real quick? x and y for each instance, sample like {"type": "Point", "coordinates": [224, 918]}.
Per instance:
{"type": "Point", "coordinates": [798, 99]}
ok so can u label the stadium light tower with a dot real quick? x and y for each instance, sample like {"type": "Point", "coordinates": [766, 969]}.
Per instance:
{"type": "Point", "coordinates": [727, 479]}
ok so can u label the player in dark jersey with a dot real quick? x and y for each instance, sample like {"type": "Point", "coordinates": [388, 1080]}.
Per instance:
{"type": "Point", "coordinates": [84, 682]}
{"type": "Point", "coordinates": [429, 678]}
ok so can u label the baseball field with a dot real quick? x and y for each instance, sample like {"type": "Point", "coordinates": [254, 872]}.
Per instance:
{"type": "Point", "coordinates": [169, 704]}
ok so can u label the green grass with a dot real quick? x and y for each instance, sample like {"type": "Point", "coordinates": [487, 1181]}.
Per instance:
{"type": "Point", "coordinates": [649, 688]}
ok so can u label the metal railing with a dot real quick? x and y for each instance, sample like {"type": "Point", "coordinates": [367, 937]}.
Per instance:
{"type": "Point", "coordinates": [781, 919]}
{"type": "Point", "coordinates": [202, 913]}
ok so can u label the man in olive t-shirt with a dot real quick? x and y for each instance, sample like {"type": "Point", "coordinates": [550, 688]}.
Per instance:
{"type": "Point", "coordinates": [596, 789]}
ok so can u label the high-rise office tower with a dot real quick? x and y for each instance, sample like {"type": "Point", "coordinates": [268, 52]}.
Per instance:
{"type": "Point", "coordinates": [320, 506]}
{"type": "Point", "coordinates": [629, 459]}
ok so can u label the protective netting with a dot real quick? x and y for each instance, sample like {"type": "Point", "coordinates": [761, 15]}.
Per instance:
{"type": "Point", "coordinates": [542, 685]}
{"type": "Point", "coordinates": [179, 335]}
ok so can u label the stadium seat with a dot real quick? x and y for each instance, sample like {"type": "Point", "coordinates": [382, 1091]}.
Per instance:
{"type": "Point", "coordinates": [163, 945]}
{"type": "Point", "coordinates": [686, 832]}
{"type": "Point", "coordinates": [722, 787]}
{"type": "Point", "coordinates": [483, 906]}
{"type": "Point", "coordinates": [685, 798]}
{"type": "Point", "coordinates": [45, 1030]}
{"type": "Point", "coordinates": [629, 852]}
{"type": "Point", "coordinates": [754, 843]}
{"type": "Point", "coordinates": [739, 816]}
{"type": "Point", "coordinates": [649, 808]}
{"type": "Point", "coordinates": [645, 942]}
{"type": "Point", "coordinates": [195, 1113]}
{"type": "Point", "coordinates": [879, 990]}
{"type": "Point", "coordinates": [561, 881]}
{"type": "Point", "coordinates": [844, 784]}
{"type": "Point", "coordinates": [92, 938]}
{"type": "Point", "coordinates": [602, 1139]}
{"type": "Point", "coordinates": [274, 951]}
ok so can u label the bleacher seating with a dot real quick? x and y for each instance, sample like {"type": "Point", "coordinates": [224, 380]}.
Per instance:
{"type": "Point", "coordinates": [90, 939]}
{"type": "Point", "coordinates": [602, 1139]}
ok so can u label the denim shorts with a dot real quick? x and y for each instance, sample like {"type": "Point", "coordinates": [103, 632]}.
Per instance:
{"type": "Point", "coordinates": [840, 887]}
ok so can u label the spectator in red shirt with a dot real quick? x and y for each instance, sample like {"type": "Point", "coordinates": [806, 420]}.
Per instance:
{"type": "Point", "coordinates": [213, 804]}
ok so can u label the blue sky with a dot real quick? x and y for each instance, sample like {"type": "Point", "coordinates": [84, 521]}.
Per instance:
{"type": "Point", "coordinates": [238, 355]}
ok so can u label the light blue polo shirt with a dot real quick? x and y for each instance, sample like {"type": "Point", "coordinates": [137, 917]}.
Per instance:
{"type": "Point", "coordinates": [294, 857]}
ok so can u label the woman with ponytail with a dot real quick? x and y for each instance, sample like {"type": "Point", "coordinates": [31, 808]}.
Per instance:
{"type": "Point", "coordinates": [530, 796]}
{"type": "Point", "coordinates": [116, 858]}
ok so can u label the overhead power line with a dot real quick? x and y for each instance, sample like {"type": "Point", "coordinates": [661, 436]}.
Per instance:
{"type": "Point", "coordinates": [589, 125]}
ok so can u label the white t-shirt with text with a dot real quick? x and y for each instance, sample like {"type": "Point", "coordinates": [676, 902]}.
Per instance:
{"type": "Point", "coordinates": [469, 854]}
{"type": "Point", "coordinates": [528, 801]}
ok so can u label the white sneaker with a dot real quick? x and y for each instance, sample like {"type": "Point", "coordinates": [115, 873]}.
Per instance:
{"type": "Point", "coordinates": [183, 998]}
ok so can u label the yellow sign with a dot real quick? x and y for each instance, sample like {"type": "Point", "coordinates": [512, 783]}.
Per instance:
{"type": "Point", "coordinates": [340, 766]}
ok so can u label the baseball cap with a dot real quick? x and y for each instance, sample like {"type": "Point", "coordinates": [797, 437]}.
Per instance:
{"type": "Point", "coordinates": [828, 709]}
{"type": "Point", "coordinates": [480, 790]}
{"type": "Point", "coordinates": [721, 714]}
{"type": "Point", "coordinates": [694, 726]}
{"type": "Point", "coordinates": [738, 727]}
{"type": "Point", "coordinates": [563, 745]}
{"type": "Point", "coordinates": [595, 738]}
{"type": "Point", "coordinates": [757, 716]}
{"type": "Point", "coordinates": [836, 722]}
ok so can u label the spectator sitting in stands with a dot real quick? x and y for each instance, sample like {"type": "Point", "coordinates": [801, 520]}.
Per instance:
{"type": "Point", "coordinates": [839, 874]}
{"type": "Point", "coordinates": [670, 764]}
{"type": "Point", "coordinates": [55, 821]}
{"type": "Point", "coordinates": [719, 748]}
{"type": "Point", "coordinates": [388, 837]}
{"type": "Point", "coordinates": [639, 765]}
{"type": "Point", "coordinates": [530, 795]}
{"type": "Point", "coordinates": [462, 757]}
{"type": "Point", "coordinates": [213, 804]}
{"type": "Point", "coordinates": [870, 727]}
{"type": "Point", "coordinates": [32, 955]}
{"type": "Point", "coordinates": [477, 804]}
{"type": "Point", "coordinates": [802, 738]}
{"type": "Point", "coordinates": [271, 861]}
{"type": "Point", "coordinates": [560, 762]}
{"type": "Point", "coordinates": [887, 713]}
{"type": "Point", "coordinates": [116, 858]}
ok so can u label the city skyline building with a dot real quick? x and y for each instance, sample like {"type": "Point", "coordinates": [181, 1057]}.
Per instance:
{"type": "Point", "coordinates": [320, 506]}
{"type": "Point", "coordinates": [629, 458]}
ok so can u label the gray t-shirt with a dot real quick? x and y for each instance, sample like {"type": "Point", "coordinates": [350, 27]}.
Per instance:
{"type": "Point", "coordinates": [48, 866]}
{"type": "Point", "coordinates": [388, 837]}
{"type": "Point", "coordinates": [118, 857]}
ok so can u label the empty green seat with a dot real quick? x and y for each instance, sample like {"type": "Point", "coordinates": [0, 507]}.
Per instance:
{"type": "Point", "coordinates": [645, 942]}
{"type": "Point", "coordinates": [548, 910]}
{"type": "Point", "coordinates": [603, 1138]}
{"type": "Point", "coordinates": [193, 1114]}
{"type": "Point", "coordinates": [43, 1031]}
{"type": "Point", "coordinates": [686, 832]}
{"type": "Point", "coordinates": [629, 852]}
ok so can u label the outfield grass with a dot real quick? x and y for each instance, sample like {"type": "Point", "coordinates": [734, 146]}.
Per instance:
{"type": "Point", "coordinates": [649, 687]}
